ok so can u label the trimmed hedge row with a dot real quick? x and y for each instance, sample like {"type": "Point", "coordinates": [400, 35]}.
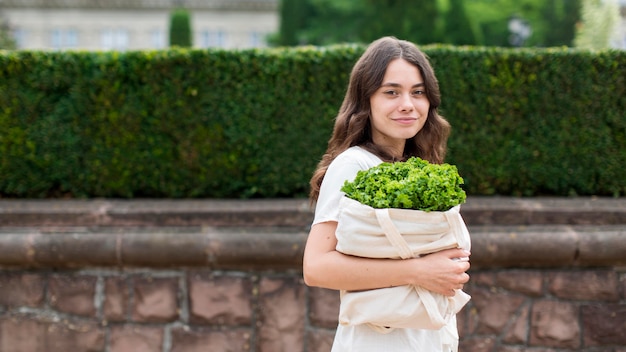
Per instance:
{"type": "Point", "coordinates": [536, 122]}
{"type": "Point", "coordinates": [183, 123]}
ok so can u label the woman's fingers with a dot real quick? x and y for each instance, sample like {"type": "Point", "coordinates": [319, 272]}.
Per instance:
{"type": "Point", "coordinates": [444, 272]}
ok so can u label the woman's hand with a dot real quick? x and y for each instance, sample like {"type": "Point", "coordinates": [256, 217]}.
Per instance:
{"type": "Point", "coordinates": [442, 272]}
{"type": "Point", "coordinates": [323, 266]}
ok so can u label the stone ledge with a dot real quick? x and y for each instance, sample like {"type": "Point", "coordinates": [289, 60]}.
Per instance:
{"type": "Point", "coordinates": [155, 212]}
{"type": "Point", "coordinates": [282, 248]}
{"type": "Point", "coordinates": [159, 247]}
{"type": "Point", "coordinates": [548, 246]}
{"type": "Point", "coordinates": [291, 212]}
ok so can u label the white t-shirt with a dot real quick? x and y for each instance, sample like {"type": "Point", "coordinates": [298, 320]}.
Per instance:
{"type": "Point", "coordinates": [343, 168]}
{"type": "Point", "coordinates": [361, 338]}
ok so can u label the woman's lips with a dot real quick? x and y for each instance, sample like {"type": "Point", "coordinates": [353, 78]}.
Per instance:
{"type": "Point", "coordinates": [405, 120]}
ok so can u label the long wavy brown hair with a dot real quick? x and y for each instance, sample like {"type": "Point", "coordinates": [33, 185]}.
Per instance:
{"type": "Point", "coordinates": [352, 124]}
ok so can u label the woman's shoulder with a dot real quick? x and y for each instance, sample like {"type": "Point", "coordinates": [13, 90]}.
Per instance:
{"type": "Point", "coordinates": [358, 155]}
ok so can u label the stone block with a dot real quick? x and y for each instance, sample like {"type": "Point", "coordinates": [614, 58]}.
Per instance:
{"type": "Point", "coordinates": [320, 340]}
{"type": "Point", "coordinates": [604, 324]}
{"type": "Point", "coordinates": [281, 314]}
{"type": "Point", "coordinates": [74, 250]}
{"type": "Point", "coordinates": [523, 247]}
{"type": "Point", "coordinates": [477, 344]}
{"type": "Point", "coordinates": [323, 307]}
{"type": "Point", "coordinates": [220, 300]}
{"type": "Point", "coordinates": [16, 249]}
{"type": "Point", "coordinates": [555, 324]}
{"type": "Point", "coordinates": [116, 298]}
{"type": "Point", "coordinates": [73, 294]}
{"type": "Point", "coordinates": [526, 282]}
{"type": "Point", "coordinates": [23, 333]}
{"type": "Point", "coordinates": [518, 332]}
{"type": "Point", "coordinates": [481, 278]}
{"type": "Point", "coordinates": [604, 247]}
{"type": "Point", "coordinates": [155, 299]}
{"type": "Point", "coordinates": [597, 285]}
{"type": "Point", "coordinates": [162, 248]}
{"type": "Point", "coordinates": [125, 338]}
{"type": "Point", "coordinates": [21, 289]}
{"type": "Point", "coordinates": [256, 248]}
{"type": "Point", "coordinates": [495, 309]}
{"type": "Point", "coordinates": [185, 339]}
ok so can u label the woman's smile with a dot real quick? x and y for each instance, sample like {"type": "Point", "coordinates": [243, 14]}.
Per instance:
{"type": "Point", "coordinates": [405, 120]}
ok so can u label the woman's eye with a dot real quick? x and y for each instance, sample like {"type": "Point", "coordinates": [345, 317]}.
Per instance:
{"type": "Point", "coordinates": [390, 92]}
{"type": "Point", "coordinates": [419, 92]}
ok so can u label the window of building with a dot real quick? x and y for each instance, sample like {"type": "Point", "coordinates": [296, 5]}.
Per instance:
{"type": "Point", "coordinates": [57, 39]}
{"type": "Point", "coordinates": [64, 38]}
{"type": "Point", "coordinates": [71, 38]}
{"type": "Point", "coordinates": [212, 39]}
{"type": "Point", "coordinates": [19, 35]}
{"type": "Point", "coordinates": [114, 39]}
{"type": "Point", "coordinates": [257, 39]}
{"type": "Point", "coordinates": [157, 39]}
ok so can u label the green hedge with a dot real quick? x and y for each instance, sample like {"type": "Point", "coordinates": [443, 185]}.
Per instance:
{"type": "Point", "coordinates": [254, 123]}
{"type": "Point", "coordinates": [536, 122]}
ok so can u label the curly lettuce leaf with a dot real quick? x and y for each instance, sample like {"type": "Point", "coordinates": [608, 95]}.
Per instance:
{"type": "Point", "coordinates": [413, 184]}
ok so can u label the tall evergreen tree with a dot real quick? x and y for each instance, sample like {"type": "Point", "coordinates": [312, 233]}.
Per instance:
{"type": "Point", "coordinates": [561, 17]}
{"type": "Point", "coordinates": [335, 21]}
{"type": "Point", "coordinates": [571, 17]}
{"type": "Point", "coordinates": [458, 26]}
{"type": "Point", "coordinates": [180, 28]}
{"type": "Point", "coordinates": [405, 19]}
{"type": "Point", "coordinates": [293, 20]}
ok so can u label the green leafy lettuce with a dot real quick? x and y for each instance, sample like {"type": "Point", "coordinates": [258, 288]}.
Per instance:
{"type": "Point", "coordinates": [412, 184]}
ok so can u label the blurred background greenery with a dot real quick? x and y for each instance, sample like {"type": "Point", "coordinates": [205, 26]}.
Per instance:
{"type": "Point", "coordinates": [594, 24]}
{"type": "Point", "coordinates": [531, 115]}
{"type": "Point", "coordinates": [582, 23]}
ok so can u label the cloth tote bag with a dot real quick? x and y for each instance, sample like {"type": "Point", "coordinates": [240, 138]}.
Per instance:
{"type": "Point", "coordinates": [398, 234]}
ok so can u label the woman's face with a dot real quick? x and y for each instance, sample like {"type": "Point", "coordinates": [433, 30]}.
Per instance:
{"type": "Point", "coordinates": [399, 108]}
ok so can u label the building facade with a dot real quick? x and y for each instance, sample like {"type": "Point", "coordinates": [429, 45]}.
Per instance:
{"type": "Point", "coordinates": [137, 24]}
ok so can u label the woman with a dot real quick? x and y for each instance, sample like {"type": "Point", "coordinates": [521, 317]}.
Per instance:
{"type": "Point", "coordinates": [389, 114]}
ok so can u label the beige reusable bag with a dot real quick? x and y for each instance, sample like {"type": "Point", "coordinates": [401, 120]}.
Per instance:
{"type": "Point", "coordinates": [398, 234]}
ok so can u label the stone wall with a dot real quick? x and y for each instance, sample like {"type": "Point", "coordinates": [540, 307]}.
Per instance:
{"type": "Point", "coordinates": [153, 310]}
{"type": "Point", "coordinates": [511, 310]}
{"type": "Point", "coordinates": [72, 281]}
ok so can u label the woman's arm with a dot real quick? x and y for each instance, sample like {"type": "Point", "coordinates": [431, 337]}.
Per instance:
{"type": "Point", "coordinates": [324, 267]}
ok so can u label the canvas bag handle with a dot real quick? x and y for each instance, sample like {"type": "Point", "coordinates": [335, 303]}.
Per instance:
{"type": "Point", "coordinates": [396, 239]}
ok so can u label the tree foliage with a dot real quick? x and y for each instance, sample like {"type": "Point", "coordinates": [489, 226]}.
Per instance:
{"type": "Point", "coordinates": [458, 26]}
{"type": "Point", "coordinates": [322, 22]}
{"type": "Point", "coordinates": [598, 22]}
{"type": "Point", "coordinates": [406, 19]}
{"type": "Point", "coordinates": [293, 19]}
{"type": "Point", "coordinates": [476, 22]}
{"type": "Point", "coordinates": [564, 16]}
{"type": "Point", "coordinates": [180, 28]}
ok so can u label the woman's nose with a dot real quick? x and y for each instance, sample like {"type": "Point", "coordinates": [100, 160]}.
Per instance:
{"type": "Point", "coordinates": [406, 104]}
